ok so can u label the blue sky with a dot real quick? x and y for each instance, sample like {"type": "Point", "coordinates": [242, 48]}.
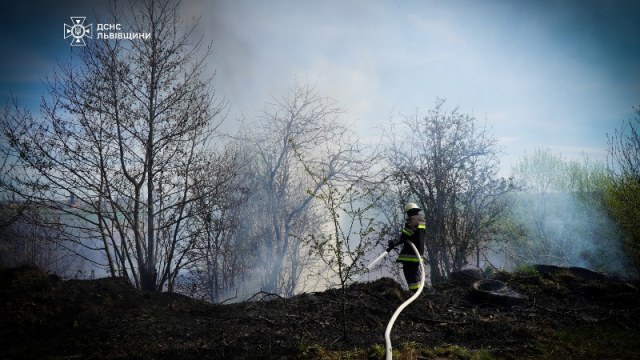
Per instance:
{"type": "Point", "coordinates": [555, 74]}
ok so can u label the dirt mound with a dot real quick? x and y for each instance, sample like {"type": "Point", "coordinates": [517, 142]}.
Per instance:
{"type": "Point", "coordinates": [564, 316]}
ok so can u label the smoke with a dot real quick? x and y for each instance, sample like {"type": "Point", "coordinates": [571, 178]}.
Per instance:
{"type": "Point", "coordinates": [565, 229]}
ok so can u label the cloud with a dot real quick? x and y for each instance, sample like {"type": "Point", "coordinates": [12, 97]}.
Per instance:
{"type": "Point", "coordinates": [435, 39]}
{"type": "Point", "coordinates": [505, 140]}
{"type": "Point", "coordinates": [579, 152]}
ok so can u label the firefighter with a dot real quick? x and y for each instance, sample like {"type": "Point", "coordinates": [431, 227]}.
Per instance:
{"type": "Point", "coordinates": [414, 230]}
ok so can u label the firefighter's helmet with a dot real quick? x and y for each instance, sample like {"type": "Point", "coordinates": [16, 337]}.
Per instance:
{"type": "Point", "coordinates": [411, 206]}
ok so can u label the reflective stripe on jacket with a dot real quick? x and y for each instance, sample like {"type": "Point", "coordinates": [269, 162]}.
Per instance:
{"type": "Point", "coordinates": [417, 237]}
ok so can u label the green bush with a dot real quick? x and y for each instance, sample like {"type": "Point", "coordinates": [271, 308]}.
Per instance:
{"type": "Point", "coordinates": [526, 269]}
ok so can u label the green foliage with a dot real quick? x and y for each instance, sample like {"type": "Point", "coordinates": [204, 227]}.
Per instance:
{"type": "Point", "coordinates": [623, 191]}
{"type": "Point", "coordinates": [459, 352]}
{"type": "Point", "coordinates": [526, 269]}
{"type": "Point", "coordinates": [377, 351]}
{"type": "Point", "coordinates": [623, 201]}
{"type": "Point", "coordinates": [489, 271]}
{"type": "Point", "coordinates": [541, 172]}
{"type": "Point", "coordinates": [560, 216]}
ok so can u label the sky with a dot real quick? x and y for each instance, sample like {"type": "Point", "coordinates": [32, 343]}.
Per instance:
{"type": "Point", "coordinates": [556, 74]}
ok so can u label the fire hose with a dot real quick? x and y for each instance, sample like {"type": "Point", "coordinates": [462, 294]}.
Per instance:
{"type": "Point", "coordinates": [387, 333]}
{"type": "Point", "coordinates": [370, 266]}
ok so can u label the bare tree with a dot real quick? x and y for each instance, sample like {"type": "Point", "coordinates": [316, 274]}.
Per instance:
{"type": "Point", "coordinates": [350, 236]}
{"type": "Point", "coordinates": [122, 133]}
{"type": "Point", "coordinates": [304, 123]}
{"type": "Point", "coordinates": [347, 202]}
{"type": "Point", "coordinates": [222, 254]}
{"type": "Point", "coordinates": [449, 164]}
{"type": "Point", "coordinates": [624, 150]}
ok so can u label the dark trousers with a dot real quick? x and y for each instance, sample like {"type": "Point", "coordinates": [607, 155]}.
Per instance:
{"type": "Point", "coordinates": [411, 272]}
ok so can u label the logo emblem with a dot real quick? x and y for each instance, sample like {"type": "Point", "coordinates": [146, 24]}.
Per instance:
{"type": "Point", "coordinates": [78, 31]}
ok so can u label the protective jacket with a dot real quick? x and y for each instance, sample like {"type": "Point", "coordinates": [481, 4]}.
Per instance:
{"type": "Point", "coordinates": [415, 234]}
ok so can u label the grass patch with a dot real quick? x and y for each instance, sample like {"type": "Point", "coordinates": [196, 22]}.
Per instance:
{"type": "Point", "coordinates": [460, 353]}
{"type": "Point", "coordinates": [406, 351]}
{"type": "Point", "coordinates": [585, 342]}
{"type": "Point", "coordinates": [526, 270]}
{"type": "Point", "coordinates": [602, 341]}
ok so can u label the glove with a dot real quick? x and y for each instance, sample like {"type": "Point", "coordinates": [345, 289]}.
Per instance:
{"type": "Point", "coordinates": [391, 245]}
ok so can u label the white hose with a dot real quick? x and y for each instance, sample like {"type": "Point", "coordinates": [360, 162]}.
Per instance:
{"type": "Point", "coordinates": [387, 332]}
{"type": "Point", "coordinates": [370, 266]}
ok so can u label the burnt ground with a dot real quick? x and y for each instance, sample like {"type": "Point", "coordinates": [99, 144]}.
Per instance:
{"type": "Point", "coordinates": [564, 317]}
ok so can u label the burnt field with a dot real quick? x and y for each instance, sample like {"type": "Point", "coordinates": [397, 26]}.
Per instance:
{"type": "Point", "coordinates": [559, 314]}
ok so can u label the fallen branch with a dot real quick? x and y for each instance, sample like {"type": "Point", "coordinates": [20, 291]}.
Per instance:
{"type": "Point", "coordinates": [265, 294]}
{"type": "Point", "coordinates": [231, 298]}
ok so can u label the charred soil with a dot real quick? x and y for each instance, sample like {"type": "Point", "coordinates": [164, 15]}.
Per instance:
{"type": "Point", "coordinates": [563, 315]}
